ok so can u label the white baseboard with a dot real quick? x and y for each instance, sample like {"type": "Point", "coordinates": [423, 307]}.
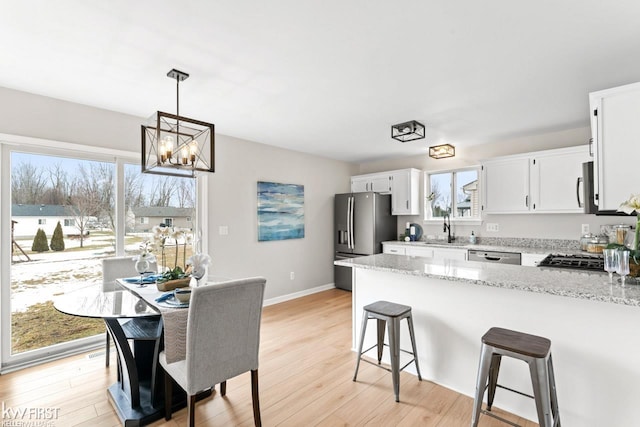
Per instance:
{"type": "Point", "coordinates": [295, 295]}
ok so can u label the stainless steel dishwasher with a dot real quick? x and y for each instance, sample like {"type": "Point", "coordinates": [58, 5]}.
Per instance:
{"type": "Point", "coordinates": [494, 257]}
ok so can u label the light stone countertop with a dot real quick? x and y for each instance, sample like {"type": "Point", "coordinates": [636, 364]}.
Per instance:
{"type": "Point", "coordinates": [490, 247]}
{"type": "Point", "coordinates": [560, 282]}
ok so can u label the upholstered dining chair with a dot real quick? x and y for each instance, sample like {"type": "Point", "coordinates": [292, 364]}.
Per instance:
{"type": "Point", "coordinates": [223, 339]}
{"type": "Point", "coordinates": [116, 268]}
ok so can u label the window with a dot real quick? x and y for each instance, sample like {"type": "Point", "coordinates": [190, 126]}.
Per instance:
{"type": "Point", "coordinates": [455, 193]}
{"type": "Point", "coordinates": [68, 222]}
{"type": "Point", "coordinates": [42, 221]}
{"type": "Point", "coordinates": [144, 220]}
{"type": "Point", "coordinates": [168, 222]}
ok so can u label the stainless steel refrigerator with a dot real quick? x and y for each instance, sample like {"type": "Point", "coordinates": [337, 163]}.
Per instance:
{"type": "Point", "coordinates": [362, 221]}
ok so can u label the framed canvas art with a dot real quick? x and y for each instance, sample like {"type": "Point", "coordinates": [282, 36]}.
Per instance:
{"type": "Point", "coordinates": [280, 211]}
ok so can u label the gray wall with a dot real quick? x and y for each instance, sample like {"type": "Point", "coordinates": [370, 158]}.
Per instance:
{"type": "Point", "coordinates": [547, 226]}
{"type": "Point", "coordinates": [232, 197]}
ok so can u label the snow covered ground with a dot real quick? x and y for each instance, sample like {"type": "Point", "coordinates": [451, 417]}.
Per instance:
{"type": "Point", "coordinates": [53, 273]}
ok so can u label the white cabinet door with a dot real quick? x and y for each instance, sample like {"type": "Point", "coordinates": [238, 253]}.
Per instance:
{"type": "Point", "coordinates": [506, 185]}
{"type": "Point", "coordinates": [393, 249]}
{"type": "Point", "coordinates": [531, 260]}
{"type": "Point", "coordinates": [617, 143]}
{"type": "Point", "coordinates": [419, 251]}
{"type": "Point", "coordinates": [405, 185]}
{"type": "Point", "coordinates": [381, 183]}
{"type": "Point", "coordinates": [445, 253]}
{"type": "Point", "coordinates": [359, 184]}
{"type": "Point", "coordinates": [556, 180]}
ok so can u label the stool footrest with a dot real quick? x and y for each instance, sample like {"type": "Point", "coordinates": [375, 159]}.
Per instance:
{"type": "Point", "coordinates": [384, 367]}
{"type": "Point", "coordinates": [497, 417]}
{"type": "Point", "coordinates": [515, 391]}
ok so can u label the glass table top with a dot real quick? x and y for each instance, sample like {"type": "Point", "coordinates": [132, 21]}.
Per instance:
{"type": "Point", "coordinates": [93, 302]}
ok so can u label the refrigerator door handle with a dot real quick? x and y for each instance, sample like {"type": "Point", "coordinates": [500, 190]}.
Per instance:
{"type": "Point", "coordinates": [353, 202]}
{"type": "Point", "coordinates": [349, 222]}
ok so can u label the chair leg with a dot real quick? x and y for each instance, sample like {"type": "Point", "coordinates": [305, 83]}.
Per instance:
{"type": "Point", "coordinates": [394, 345]}
{"type": "Point", "coordinates": [380, 328]}
{"type": "Point", "coordinates": [191, 410]}
{"type": "Point", "coordinates": [413, 346]}
{"type": "Point", "coordinates": [494, 369]}
{"type": "Point", "coordinates": [363, 330]}
{"type": "Point", "coordinates": [541, 391]}
{"type": "Point", "coordinates": [255, 398]}
{"type": "Point", "coordinates": [107, 350]}
{"type": "Point", "coordinates": [481, 382]}
{"type": "Point", "coordinates": [554, 396]}
{"type": "Point", "coordinates": [168, 398]}
{"type": "Point", "coordinates": [223, 388]}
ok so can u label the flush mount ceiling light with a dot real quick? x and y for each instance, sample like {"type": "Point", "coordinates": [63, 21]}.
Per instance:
{"type": "Point", "coordinates": [408, 131]}
{"type": "Point", "coordinates": [175, 145]}
{"type": "Point", "coordinates": [442, 151]}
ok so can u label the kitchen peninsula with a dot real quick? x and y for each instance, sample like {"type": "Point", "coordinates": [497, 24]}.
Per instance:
{"type": "Point", "coordinates": [593, 327]}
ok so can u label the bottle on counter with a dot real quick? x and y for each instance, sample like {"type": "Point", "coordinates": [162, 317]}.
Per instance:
{"type": "Point", "coordinates": [472, 238]}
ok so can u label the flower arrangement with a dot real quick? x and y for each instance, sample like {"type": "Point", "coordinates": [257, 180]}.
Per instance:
{"type": "Point", "coordinates": [198, 263]}
{"type": "Point", "coordinates": [146, 252]}
{"type": "Point", "coordinates": [182, 237]}
{"type": "Point", "coordinates": [630, 206]}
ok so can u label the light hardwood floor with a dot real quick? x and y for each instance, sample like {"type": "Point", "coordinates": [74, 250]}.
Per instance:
{"type": "Point", "coordinates": [306, 370]}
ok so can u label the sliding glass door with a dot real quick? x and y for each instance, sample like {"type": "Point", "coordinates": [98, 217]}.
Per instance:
{"type": "Point", "coordinates": [67, 213]}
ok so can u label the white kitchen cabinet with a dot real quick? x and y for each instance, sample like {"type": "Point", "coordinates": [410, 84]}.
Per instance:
{"type": "Point", "coordinates": [378, 183]}
{"type": "Point", "coordinates": [405, 187]}
{"type": "Point", "coordinates": [506, 182]}
{"type": "Point", "coordinates": [450, 253]}
{"type": "Point", "coordinates": [421, 251]}
{"type": "Point", "coordinates": [556, 180]}
{"type": "Point", "coordinates": [539, 182]}
{"type": "Point", "coordinates": [393, 249]}
{"type": "Point", "coordinates": [531, 260]}
{"type": "Point", "coordinates": [615, 130]}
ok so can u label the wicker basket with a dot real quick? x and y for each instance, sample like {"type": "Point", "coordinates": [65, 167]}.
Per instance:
{"type": "Point", "coordinates": [170, 285]}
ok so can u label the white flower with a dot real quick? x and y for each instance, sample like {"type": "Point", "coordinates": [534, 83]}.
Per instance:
{"type": "Point", "coordinates": [197, 261]}
{"type": "Point", "coordinates": [632, 205]}
{"type": "Point", "coordinates": [145, 252]}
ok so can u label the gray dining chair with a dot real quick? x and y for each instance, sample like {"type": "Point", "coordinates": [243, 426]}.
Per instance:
{"type": "Point", "coordinates": [116, 268]}
{"type": "Point", "coordinates": [223, 340]}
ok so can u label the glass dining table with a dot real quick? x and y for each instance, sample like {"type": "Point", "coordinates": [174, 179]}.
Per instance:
{"type": "Point", "coordinates": [136, 326]}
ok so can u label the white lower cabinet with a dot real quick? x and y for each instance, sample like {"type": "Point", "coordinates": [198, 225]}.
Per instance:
{"type": "Point", "coordinates": [425, 251]}
{"type": "Point", "coordinates": [531, 260]}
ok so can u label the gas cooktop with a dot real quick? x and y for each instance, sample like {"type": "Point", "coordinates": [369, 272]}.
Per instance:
{"type": "Point", "coordinates": [577, 262]}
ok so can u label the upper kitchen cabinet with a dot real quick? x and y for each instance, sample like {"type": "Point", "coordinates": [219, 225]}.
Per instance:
{"type": "Point", "coordinates": [377, 182]}
{"type": "Point", "coordinates": [402, 184]}
{"type": "Point", "coordinates": [615, 131]}
{"type": "Point", "coordinates": [506, 182]}
{"type": "Point", "coordinates": [405, 188]}
{"type": "Point", "coordinates": [540, 182]}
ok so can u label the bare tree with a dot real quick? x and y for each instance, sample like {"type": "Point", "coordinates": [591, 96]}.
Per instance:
{"type": "Point", "coordinates": [28, 184]}
{"type": "Point", "coordinates": [57, 193]}
{"type": "Point", "coordinates": [163, 191]}
{"type": "Point", "coordinates": [185, 192]}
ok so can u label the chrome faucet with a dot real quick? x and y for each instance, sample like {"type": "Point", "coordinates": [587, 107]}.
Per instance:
{"type": "Point", "coordinates": [447, 228]}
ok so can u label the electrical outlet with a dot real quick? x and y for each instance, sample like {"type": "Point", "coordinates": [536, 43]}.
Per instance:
{"type": "Point", "coordinates": [292, 275]}
{"type": "Point", "coordinates": [492, 226]}
{"type": "Point", "coordinates": [585, 228]}
{"type": "Point", "coordinates": [223, 230]}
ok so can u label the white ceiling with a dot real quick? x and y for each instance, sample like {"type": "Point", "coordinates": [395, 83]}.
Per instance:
{"type": "Point", "coordinates": [330, 77]}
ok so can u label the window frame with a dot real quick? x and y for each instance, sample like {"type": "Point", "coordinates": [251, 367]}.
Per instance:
{"type": "Point", "coordinates": [119, 158]}
{"type": "Point", "coordinates": [476, 220]}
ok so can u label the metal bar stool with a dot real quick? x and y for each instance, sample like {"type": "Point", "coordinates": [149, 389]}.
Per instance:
{"type": "Point", "coordinates": [534, 350]}
{"type": "Point", "coordinates": [390, 314]}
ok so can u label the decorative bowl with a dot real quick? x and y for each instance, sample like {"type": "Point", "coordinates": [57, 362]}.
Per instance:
{"type": "Point", "coordinates": [182, 294]}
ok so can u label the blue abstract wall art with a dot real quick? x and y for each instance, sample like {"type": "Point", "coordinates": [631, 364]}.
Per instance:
{"type": "Point", "coordinates": [280, 211]}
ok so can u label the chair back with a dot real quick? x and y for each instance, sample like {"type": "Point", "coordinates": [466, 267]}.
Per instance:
{"type": "Point", "coordinates": [223, 331]}
{"type": "Point", "coordinates": [118, 267]}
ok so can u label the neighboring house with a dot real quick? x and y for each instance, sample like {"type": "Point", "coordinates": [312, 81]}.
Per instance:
{"type": "Point", "coordinates": [471, 206]}
{"type": "Point", "coordinates": [29, 218]}
{"type": "Point", "coordinates": [146, 217]}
